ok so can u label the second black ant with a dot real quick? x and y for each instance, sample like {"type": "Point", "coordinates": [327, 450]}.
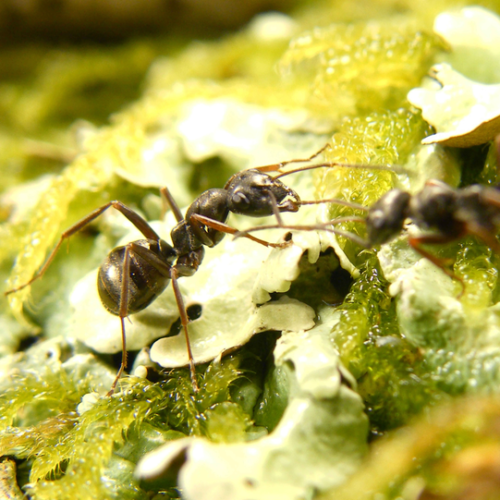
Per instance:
{"type": "Point", "coordinates": [135, 274]}
{"type": "Point", "coordinates": [448, 213]}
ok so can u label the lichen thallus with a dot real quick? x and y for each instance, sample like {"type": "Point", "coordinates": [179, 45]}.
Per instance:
{"type": "Point", "coordinates": [445, 214]}
{"type": "Point", "coordinates": [135, 274]}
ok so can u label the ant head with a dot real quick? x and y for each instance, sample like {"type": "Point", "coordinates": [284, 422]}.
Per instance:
{"type": "Point", "coordinates": [254, 193]}
{"type": "Point", "coordinates": [386, 217]}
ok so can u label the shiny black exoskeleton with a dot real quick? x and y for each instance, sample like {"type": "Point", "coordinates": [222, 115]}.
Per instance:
{"type": "Point", "coordinates": [450, 213]}
{"type": "Point", "coordinates": [146, 281]}
{"type": "Point", "coordinates": [253, 193]}
{"type": "Point", "coordinates": [250, 192]}
{"type": "Point", "coordinates": [133, 275]}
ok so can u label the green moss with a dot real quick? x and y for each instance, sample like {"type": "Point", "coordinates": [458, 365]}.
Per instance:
{"type": "Point", "coordinates": [68, 450]}
{"type": "Point", "coordinates": [389, 370]}
{"type": "Point", "coordinates": [362, 67]}
{"type": "Point", "coordinates": [33, 396]}
{"type": "Point", "coordinates": [380, 139]}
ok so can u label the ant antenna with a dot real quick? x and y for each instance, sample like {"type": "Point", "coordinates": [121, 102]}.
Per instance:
{"type": "Point", "coordinates": [394, 169]}
{"type": "Point", "coordinates": [337, 201]}
{"type": "Point", "coordinates": [274, 206]}
{"type": "Point", "coordinates": [326, 226]}
{"type": "Point", "coordinates": [278, 166]}
{"type": "Point", "coordinates": [167, 196]}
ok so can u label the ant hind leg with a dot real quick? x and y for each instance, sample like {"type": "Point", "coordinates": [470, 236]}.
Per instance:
{"type": "Point", "coordinates": [132, 216]}
{"type": "Point", "coordinates": [172, 272]}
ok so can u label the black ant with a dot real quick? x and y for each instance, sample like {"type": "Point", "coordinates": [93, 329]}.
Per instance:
{"type": "Point", "coordinates": [135, 274]}
{"type": "Point", "coordinates": [451, 213]}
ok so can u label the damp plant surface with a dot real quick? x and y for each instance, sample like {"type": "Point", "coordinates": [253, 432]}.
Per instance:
{"type": "Point", "coordinates": [325, 369]}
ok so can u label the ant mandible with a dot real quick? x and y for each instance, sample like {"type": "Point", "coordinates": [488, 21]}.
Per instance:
{"type": "Point", "coordinates": [450, 213]}
{"type": "Point", "coordinates": [135, 274]}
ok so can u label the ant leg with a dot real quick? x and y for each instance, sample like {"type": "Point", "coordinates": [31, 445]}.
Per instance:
{"type": "Point", "coordinates": [171, 272]}
{"type": "Point", "coordinates": [123, 313]}
{"type": "Point", "coordinates": [132, 216]}
{"type": "Point", "coordinates": [167, 196]}
{"type": "Point", "coordinates": [416, 241]}
{"type": "Point", "coordinates": [497, 144]}
{"type": "Point", "coordinates": [174, 275]}
{"type": "Point", "coordinates": [491, 196]}
{"type": "Point", "coordinates": [277, 166]}
{"type": "Point", "coordinates": [483, 234]}
{"type": "Point", "coordinates": [196, 219]}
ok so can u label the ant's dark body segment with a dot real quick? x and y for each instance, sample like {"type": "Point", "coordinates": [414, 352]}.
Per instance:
{"type": "Point", "coordinates": [449, 213]}
{"type": "Point", "coordinates": [134, 275]}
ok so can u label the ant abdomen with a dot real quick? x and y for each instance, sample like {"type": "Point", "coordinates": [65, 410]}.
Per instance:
{"type": "Point", "coordinates": [145, 282]}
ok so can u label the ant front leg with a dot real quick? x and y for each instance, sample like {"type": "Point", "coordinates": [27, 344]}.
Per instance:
{"type": "Point", "coordinates": [484, 234]}
{"type": "Point", "coordinates": [197, 219]}
{"type": "Point", "coordinates": [132, 216]}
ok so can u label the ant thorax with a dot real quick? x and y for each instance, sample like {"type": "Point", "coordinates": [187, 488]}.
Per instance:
{"type": "Point", "coordinates": [187, 237]}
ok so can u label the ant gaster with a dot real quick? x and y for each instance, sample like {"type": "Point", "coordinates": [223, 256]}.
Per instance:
{"type": "Point", "coordinates": [135, 274]}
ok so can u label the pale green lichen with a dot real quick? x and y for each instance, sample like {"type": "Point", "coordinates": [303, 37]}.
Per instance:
{"type": "Point", "coordinates": [472, 33]}
{"type": "Point", "coordinates": [464, 113]}
{"type": "Point", "coordinates": [465, 110]}
{"type": "Point", "coordinates": [316, 443]}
